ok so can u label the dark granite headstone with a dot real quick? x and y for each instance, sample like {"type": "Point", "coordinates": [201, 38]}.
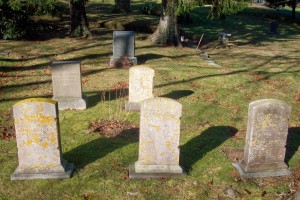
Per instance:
{"type": "Point", "coordinates": [266, 138]}
{"type": "Point", "coordinates": [123, 46]}
{"type": "Point", "coordinates": [66, 82]}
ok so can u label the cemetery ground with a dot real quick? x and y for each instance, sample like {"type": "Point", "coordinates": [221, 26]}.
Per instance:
{"type": "Point", "coordinates": [102, 141]}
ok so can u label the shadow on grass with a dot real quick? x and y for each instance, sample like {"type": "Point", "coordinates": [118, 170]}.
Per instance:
{"type": "Point", "coordinates": [96, 149]}
{"type": "Point", "coordinates": [195, 149]}
{"type": "Point", "coordinates": [293, 143]}
{"type": "Point", "coordinates": [93, 98]}
{"type": "Point", "coordinates": [178, 94]}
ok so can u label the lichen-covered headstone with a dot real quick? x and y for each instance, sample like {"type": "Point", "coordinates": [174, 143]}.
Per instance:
{"type": "Point", "coordinates": [140, 86]}
{"type": "Point", "coordinates": [266, 138]}
{"type": "Point", "coordinates": [159, 139]}
{"type": "Point", "coordinates": [123, 48]}
{"type": "Point", "coordinates": [38, 141]}
{"type": "Point", "coordinates": [66, 82]}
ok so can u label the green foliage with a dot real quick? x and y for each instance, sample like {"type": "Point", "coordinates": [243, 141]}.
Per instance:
{"type": "Point", "coordinates": [221, 8]}
{"type": "Point", "coordinates": [15, 16]}
{"type": "Point", "coordinates": [149, 7]}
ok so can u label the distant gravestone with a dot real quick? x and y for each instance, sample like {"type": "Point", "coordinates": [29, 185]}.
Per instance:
{"type": "Point", "coordinates": [123, 47]}
{"type": "Point", "coordinates": [122, 5]}
{"type": "Point", "coordinates": [274, 27]}
{"type": "Point", "coordinates": [140, 86]}
{"type": "Point", "coordinates": [266, 138]}
{"type": "Point", "coordinates": [38, 141]}
{"type": "Point", "coordinates": [66, 82]}
{"type": "Point", "coordinates": [159, 139]}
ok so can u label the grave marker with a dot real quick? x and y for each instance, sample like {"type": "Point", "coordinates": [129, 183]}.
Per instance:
{"type": "Point", "coordinates": [159, 139]}
{"type": "Point", "coordinates": [140, 86]}
{"type": "Point", "coordinates": [266, 138]}
{"type": "Point", "coordinates": [66, 82]}
{"type": "Point", "coordinates": [38, 141]}
{"type": "Point", "coordinates": [123, 47]}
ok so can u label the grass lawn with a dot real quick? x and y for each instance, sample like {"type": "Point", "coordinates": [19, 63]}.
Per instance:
{"type": "Point", "coordinates": [256, 65]}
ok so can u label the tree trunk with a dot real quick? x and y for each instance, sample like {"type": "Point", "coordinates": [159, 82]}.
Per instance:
{"type": "Point", "coordinates": [167, 30]}
{"type": "Point", "coordinates": [294, 5]}
{"type": "Point", "coordinates": [79, 22]}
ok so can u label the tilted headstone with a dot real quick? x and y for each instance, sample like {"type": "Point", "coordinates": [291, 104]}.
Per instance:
{"type": "Point", "coordinates": [38, 141]}
{"type": "Point", "coordinates": [159, 139]}
{"type": "Point", "coordinates": [123, 47]}
{"type": "Point", "coordinates": [266, 138]}
{"type": "Point", "coordinates": [66, 82]}
{"type": "Point", "coordinates": [140, 86]}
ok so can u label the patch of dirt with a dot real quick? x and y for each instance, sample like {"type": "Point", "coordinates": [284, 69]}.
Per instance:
{"type": "Point", "coordinates": [114, 128]}
{"type": "Point", "coordinates": [7, 131]}
{"type": "Point", "coordinates": [123, 63]}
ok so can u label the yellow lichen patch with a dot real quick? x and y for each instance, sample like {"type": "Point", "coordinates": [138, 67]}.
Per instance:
{"type": "Point", "coordinates": [28, 142]}
{"type": "Point", "coordinates": [45, 144]}
{"type": "Point", "coordinates": [36, 100]}
{"type": "Point", "coordinates": [52, 139]}
{"type": "Point", "coordinates": [267, 122]}
{"type": "Point", "coordinates": [36, 139]}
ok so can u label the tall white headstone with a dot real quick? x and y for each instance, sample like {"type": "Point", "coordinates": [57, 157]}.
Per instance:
{"type": "Point", "coordinates": [159, 139]}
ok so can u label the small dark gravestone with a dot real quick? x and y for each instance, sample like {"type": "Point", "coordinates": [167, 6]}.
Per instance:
{"type": "Point", "coordinates": [66, 82]}
{"type": "Point", "coordinates": [38, 141]}
{"type": "Point", "coordinates": [123, 47]}
{"type": "Point", "coordinates": [274, 27]}
{"type": "Point", "coordinates": [159, 139]}
{"type": "Point", "coordinates": [266, 138]}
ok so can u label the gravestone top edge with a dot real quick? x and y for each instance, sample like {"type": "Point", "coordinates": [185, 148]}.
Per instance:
{"type": "Point", "coordinates": [33, 100]}
{"type": "Point", "coordinates": [268, 101]}
{"type": "Point", "coordinates": [148, 103]}
{"type": "Point", "coordinates": [129, 32]}
{"type": "Point", "coordinates": [65, 62]}
{"type": "Point", "coordinates": [142, 67]}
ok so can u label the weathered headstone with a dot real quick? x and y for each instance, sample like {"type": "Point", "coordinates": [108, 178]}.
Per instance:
{"type": "Point", "coordinates": [66, 82]}
{"type": "Point", "coordinates": [274, 27]}
{"type": "Point", "coordinates": [266, 138]}
{"type": "Point", "coordinates": [159, 139]}
{"type": "Point", "coordinates": [140, 86]}
{"type": "Point", "coordinates": [38, 141]}
{"type": "Point", "coordinates": [123, 47]}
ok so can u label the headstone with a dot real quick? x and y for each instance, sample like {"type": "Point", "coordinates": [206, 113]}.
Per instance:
{"type": "Point", "coordinates": [123, 47]}
{"type": "Point", "coordinates": [224, 37]}
{"type": "Point", "coordinates": [66, 82]}
{"type": "Point", "coordinates": [38, 141]}
{"type": "Point", "coordinates": [266, 138]}
{"type": "Point", "coordinates": [159, 139]}
{"type": "Point", "coordinates": [140, 87]}
{"type": "Point", "coordinates": [274, 26]}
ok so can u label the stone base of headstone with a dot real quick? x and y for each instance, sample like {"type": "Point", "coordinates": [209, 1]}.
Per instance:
{"type": "Point", "coordinates": [69, 168]}
{"type": "Point", "coordinates": [281, 172]}
{"type": "Point", "coordinates": [70, 103]}
{"type": "Point", "coordinates": [116, 61]}
{"type": "Point", "coordinates": [155, 171]}
{"type": "Point", "coordinates": [132, 106]}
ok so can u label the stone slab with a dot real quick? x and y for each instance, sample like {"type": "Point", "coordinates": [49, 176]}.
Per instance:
{"type": "Point", "coordinates": [123, 43]}
{"type": "Point", "coordinates": [71, 103]}
{"type": "Point", "coordinates": [132, 106]}
{"type": "Point", "coordinates": [283, 172]}
{"type": "Point", "coordinates": [54, 175]}
{"type": "Point", "coordinates": [135, 175]}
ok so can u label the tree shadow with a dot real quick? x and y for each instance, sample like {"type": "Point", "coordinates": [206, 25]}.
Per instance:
{"type": "Point", "coordinates": [142, 59]}
{"type": "Point", "coordinates": [293, 143]}
{"type": "Point", "coordinates": [178, 94]}
{"type": "Point", "coordinates": [96, 149]}
{"type": "Point", "coordinates": [199, 146]}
